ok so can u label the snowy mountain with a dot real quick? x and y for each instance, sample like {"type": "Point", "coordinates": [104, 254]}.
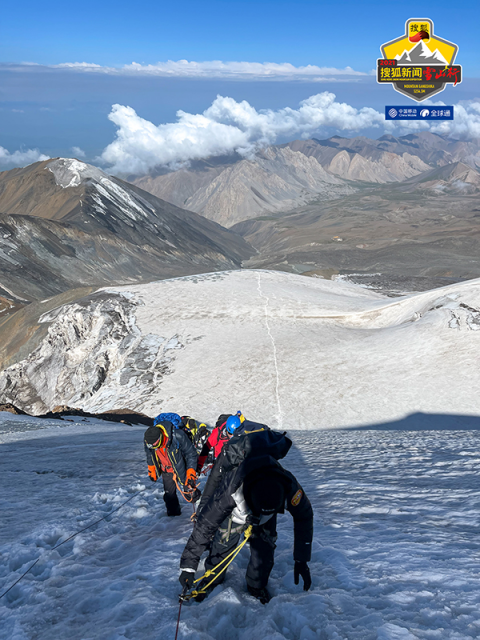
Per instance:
{"type": "Point", "coordinates": [295, 352]}
{"type": "Point", "coordinates": [421, 54]}
{"type": "Point", "coordinates": [67, 224]}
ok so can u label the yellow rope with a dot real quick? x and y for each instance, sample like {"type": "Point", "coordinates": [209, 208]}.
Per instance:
{"type": "Point", "coordinates": [207, 574]}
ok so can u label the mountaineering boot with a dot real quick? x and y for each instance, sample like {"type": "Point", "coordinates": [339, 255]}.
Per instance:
{"type": "Point", "coordinates": [174, 512]}
{"type": "Point", "coordinates": [261, 594]}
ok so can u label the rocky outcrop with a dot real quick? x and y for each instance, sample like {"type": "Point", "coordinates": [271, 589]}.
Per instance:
{"type": "Point", "coordinates": [125, 416]}
{"type": "Point", "coordinates": [8, 407]}
{"type": "Point", "coordinates": [92, 348]}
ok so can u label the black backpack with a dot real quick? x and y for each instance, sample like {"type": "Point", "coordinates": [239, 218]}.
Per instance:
{"type": "Point", "coordinates": [200, 438]}
{"type": "Point", "coordinates": [222, 418]}
{"type": "Point", "coordinates": [254, 439]}
{"type": "Point", "coordinates": [197, 432]}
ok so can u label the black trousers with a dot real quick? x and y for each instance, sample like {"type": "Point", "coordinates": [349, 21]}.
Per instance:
{"type": "Point", "coordinates": [170, 495]}
{"type": "Point", "coordinates": [262, 549]}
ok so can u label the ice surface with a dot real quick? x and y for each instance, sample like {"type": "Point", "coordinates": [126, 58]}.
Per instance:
{"type": "Point", "coordinates": [296, 352]}
{"type": "Point", "coordinates": [395, 553]}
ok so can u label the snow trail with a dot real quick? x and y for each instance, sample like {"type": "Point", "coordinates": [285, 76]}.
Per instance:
{"type": "Point", "coordinates": [267, 324]}
{"type": "Point", "coordinates": [395, 553]}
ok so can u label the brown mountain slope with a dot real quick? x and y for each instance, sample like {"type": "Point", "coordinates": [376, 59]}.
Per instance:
{"type": "Point", "coordinates": [275, 179]}
{"type": "Point", "coordinates": [85, 228]}
{"type": "Point", "coordinates": [426, 227]}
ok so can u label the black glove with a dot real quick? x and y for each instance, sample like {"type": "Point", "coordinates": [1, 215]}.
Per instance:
{"type": "Point", "coordinates": [191, 483]}
{"type": "Point", "coordinates": [252, 520]}
{"type": "Point", "coordinates": [152, 479]}
{"type": "Point", "coordinates": [186, 579]}
{"type": "Point", "coordinates": [301, 569]}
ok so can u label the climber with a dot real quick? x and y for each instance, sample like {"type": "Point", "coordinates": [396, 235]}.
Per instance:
{"type": "Point", "coordinates": [197, 432]}
{"type": "Point", "coordinates": [223, 431]}
{"type": "Point", "coordinates": [252, 493]}
{"type": "Point", "coordinates": [171, 455]}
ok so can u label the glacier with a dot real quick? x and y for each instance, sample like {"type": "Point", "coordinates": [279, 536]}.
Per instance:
{"type": "Point", "coordinates": [298, 352]}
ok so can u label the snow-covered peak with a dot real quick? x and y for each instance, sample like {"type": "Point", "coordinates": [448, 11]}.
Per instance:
{"type": "Point", "coordinates": [69, 172]}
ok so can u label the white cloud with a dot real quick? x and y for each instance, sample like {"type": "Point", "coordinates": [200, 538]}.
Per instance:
{"type": "Point", "coordinates": [86, 66]}
{"type": "Point", "coordinates": [20, 158]}
{"type": "Point", "coordinates": [78, 153]}
{"type": "Point", "coordinates": [283, 71]}
{"type": "Point", "coordinates": [219, 69]}
{"type": "Point", "coordinates": [226, 126]}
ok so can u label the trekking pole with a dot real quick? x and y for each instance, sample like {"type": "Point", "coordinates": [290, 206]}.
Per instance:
{"type": "Point", "coordinates": [181, 601]}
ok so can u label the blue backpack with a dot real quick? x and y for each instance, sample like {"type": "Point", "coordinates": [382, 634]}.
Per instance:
{"type": "Point", "coordinates": [174, 418]}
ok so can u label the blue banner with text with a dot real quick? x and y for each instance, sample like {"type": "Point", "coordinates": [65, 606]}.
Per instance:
{"type": "Point", "coordinates": [418, 113]}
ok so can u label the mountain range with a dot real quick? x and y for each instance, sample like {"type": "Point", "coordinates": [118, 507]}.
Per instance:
{"type": "Point", "coordinates": [408, 217]}
{"type": "Point", "coordinates": [276, 179]}
{"type": "Point", "coordinates": [234, 189]}
{"type": "Point", "coordinates": [394, 214]}
{"type": "Point", "coordinates": [66, 224]}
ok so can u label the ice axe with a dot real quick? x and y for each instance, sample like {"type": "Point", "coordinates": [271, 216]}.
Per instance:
{"type": "Point", "coordinates": [181, 600]}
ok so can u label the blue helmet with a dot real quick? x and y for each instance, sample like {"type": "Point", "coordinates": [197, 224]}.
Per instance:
{"type": "Point", "coordinates": [233, 422]}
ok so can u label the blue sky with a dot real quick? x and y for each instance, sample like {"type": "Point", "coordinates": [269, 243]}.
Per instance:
{"type": "Point", "coordinates": [331, 33]}
{"type": "Point", "coordinates": [53, 108]}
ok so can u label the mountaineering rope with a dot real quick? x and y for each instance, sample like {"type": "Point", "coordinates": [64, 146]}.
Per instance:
{"type": "Point", "coordinates": [185, 493]}
{"type": "Point", "coordinates": [207, 574]}
{"type": "Point", "coordinates": [180, 610]}
{"type": "Point", "coordinates": [277, 385]}
{"type": "Point", "coordinates": [70, 538]}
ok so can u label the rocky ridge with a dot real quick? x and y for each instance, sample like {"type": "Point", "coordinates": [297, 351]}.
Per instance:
{"type": "Point", "coordinates": [231, 190]}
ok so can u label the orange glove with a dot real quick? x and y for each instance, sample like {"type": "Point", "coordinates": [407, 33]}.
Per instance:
{"type": "Point", "coordinates": [191, 480]}
{"type": "Point", "coordinates": [152, 472]}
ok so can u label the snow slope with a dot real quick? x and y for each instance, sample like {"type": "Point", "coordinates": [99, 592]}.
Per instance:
{"type": "Point", "coordinates": [295, 352]}
{"type": "Point", "coordinates": [395, 553]}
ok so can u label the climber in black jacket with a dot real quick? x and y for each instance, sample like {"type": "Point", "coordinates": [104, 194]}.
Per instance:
{"type": "Point", "coordinates": [171, 456]}
{"type": "Point", "coordinates": [252, 493]}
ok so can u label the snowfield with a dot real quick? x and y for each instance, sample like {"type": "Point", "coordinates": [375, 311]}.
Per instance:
{"type": "Point", "coordinates": [293, 351]}
{"type": "Point", "coordinates": [395, 553]}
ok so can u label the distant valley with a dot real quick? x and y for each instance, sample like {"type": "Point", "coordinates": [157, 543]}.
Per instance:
{"type": "Point", "coordinates": [393, 213]}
